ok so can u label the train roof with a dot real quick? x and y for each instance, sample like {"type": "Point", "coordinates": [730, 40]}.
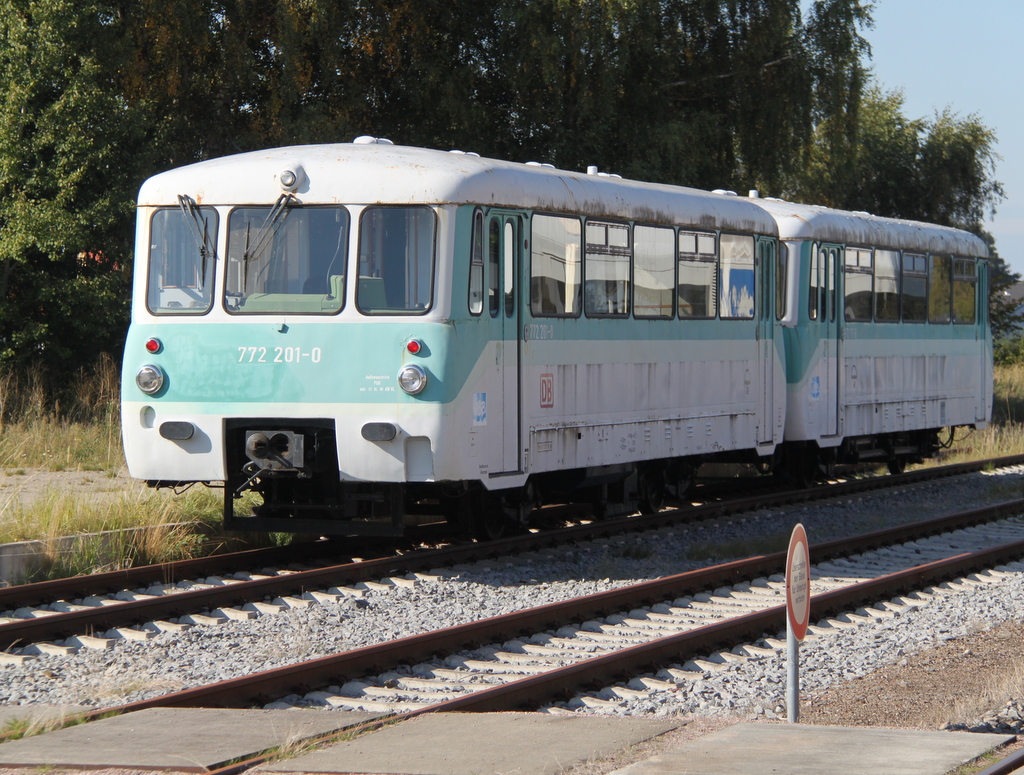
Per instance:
{"type": "Point", "coordinates": [374, 173]}
{"type": "Point", "coordinates": [811, 222]}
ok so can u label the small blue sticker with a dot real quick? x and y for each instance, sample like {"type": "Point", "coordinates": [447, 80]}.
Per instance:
{"type": "Point", "coordinates": [815, 387]}
{"type": "Point", "coordinates": [480, 409]}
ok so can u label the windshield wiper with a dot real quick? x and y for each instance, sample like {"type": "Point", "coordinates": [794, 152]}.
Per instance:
{"type": "Point", "coordinates": [200, 229]}
{"type": "Point", "coordinates": [267, 230]}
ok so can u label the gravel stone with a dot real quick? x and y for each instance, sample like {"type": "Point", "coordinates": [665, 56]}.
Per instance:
{"type": "Point", "coordinates": [133, 670]}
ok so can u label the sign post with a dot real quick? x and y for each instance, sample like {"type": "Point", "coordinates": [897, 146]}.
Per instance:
{"type": "Point", "coordinates": [798, 612]}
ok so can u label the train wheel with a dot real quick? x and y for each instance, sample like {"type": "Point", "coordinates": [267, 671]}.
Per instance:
{"type": "Point", "coordinates": [500, 515]}
{"type": "Point", "coordinates": [897, 464]}
{"type": "Point", "coordinates": [650, 487]}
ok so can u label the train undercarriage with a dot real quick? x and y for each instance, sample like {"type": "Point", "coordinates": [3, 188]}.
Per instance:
{"type": "Point", "coordinates": [283, 478]}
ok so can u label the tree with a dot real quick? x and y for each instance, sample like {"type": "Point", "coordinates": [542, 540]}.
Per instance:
{"type": "Point", "coordinates": [68, 149]}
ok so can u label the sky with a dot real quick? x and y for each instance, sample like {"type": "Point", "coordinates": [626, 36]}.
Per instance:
{"type": "Point", "coordinates": [968, 57]}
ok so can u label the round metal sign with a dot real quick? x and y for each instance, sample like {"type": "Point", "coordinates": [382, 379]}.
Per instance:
{"type": "Point", "coordinates": [798, 583]}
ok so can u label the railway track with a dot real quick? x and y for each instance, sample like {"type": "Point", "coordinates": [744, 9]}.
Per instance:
{"type": "Point", "coordinates": [687, 623]}
{"type": "Point", "coordinates": [141, 602]}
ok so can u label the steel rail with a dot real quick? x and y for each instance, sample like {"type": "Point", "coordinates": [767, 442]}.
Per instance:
{"type": "Point", "coordinates": [102, 618]}
{"type": "Point", "coordinates": [114, 581]}
{"type": "Point", "coordinates": [62, 625]}
{"type": "Point", "coordinates": [302, 677]}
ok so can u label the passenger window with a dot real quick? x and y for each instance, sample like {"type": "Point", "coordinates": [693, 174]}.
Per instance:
{"type": "Point", "coordinates": [887, 286]}
{"type": "Point", "coordinates": [493, 264]}
{"type": "Point", "coordinates": [781, 275]}
{"type": "Point", "coordinates": [653, 272]}
{"type": "Point", "coordinates": [555, 269]}
{"type": "Point", "coordinates": [737, 276]}
{"type": "Point", "coordinates": [476, 265]}
{"type": "Point", "coordinates": [965, 290]}
{"type": "Point", "coordinates": [940, 290]}
{"type": "Point", "coordinates": [915, 288]}
{"type": "Point", "coordinates": [510, 269]}
{"type": "Point", "coordinates": [396, 259]}
{"type": "Point", "coordinates": [182, 255]}
{"type": "Point", "coordinates": [606, 269]}
{"type": "Point", "coordinates": [698, 275]}
{"type": "Point", "coordinates": [814, 294]}
{"type": "Point", "coordinates": [858, 285]}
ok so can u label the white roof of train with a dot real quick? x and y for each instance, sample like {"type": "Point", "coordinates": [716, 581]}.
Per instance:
{"type": "Point", "coordinates": [349, 173]}
{"type": "Point", "coordinates": [810, 222]}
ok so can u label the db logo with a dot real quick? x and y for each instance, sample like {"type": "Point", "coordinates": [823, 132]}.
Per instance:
{"type": "Point", "coordinates": [547, 391]}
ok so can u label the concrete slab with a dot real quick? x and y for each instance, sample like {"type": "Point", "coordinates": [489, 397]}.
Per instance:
{"type": "Point", "coordinates": [191, 739]}
{"type": "Point", "coordinates": [796, 749]}
{"type": "Point", "coordinates": [479, 744]}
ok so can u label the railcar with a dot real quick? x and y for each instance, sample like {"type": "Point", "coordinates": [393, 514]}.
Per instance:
{"type": "Point", "coordinates": [887, 342]}
{"type": "Point", "coordinates": [357, 337]}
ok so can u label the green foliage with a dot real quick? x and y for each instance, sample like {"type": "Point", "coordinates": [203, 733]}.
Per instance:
{"type": "Point", "coordinates": [99, 94]}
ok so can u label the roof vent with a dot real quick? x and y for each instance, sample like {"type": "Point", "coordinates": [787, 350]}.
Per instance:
{"type": "Point", "coordinates": [754, 194]}
{"type": "Point", "coordinates": [724, 192]}
{"type": "Point", "coordinates": [371, 140]}
{"type": "Point", "coordinates": [592, 169]}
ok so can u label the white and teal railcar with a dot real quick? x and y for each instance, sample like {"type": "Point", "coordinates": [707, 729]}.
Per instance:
{"type": "Point", "coordinates": [363, 334]}
{"type": "Point", "coordinates": [888, 346]}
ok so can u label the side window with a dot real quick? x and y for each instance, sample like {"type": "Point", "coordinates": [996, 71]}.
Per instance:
{"type": "Point", "coordinates": [915, 288]}
{"type": "Point", "coordinates": [182, 247]}
{"type": "Point", "coordinates": [698, 275]}
{"type": "Point", "coordinates": [396, 259]}
{"type": "Point", "coordinates": [654, 281]}
{"type": "Point", "coordinates": [858, 281]}
{"type": "Point", "coordinates": [940, 289]}
{"type": "Point", "coordinates": [965, 290]}
{"type": "Point", "coordinates": [781, 277]}
{"type": "Point", "coordinates": [476, 265]}
{"type": "Point", "coordinates": [814, 294]}
{"type": "Point", "coordinates": [493, 264]}
{"type": "Point", "coordinates": [510, 268]}
{"type": "Point", "coordinates": [555, 268]}
{"type": "Point", "coordinates": [606, 269]}
{"type": "Point", "coordinates": [737, 276]}
{"type": "Point", "coordinates": [887, 286]}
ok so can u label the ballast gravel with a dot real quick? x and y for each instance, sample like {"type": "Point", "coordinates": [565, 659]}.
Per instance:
{"type": "Point", "coordinates": [136, 670]}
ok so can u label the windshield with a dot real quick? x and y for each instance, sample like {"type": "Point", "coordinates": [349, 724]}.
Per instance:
{"type": "Point", "coordinates": [286, 259]}
{"type": "Point", "coordinates": [181, 259]}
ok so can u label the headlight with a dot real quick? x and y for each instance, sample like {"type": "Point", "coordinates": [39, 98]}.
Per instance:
{"type": "Point", "coordinates": [412, 379]}
{"type": "Point", "coordinates": [150, 379]}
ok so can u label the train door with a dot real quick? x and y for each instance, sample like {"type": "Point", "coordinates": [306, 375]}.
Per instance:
{"type": "Point", "coordinates": [984, 387]}
{"type": "Point", "coordinates": [766, 336]}
{"type": "Point", "coordinates": [831, 265]}
{"type": "Point", "coordinates": [504, 237]}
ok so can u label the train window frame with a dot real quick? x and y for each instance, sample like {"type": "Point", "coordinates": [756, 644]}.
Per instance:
{"type": "Point", "coordinates": [781, 277]}
{"type": "Point", "coordinates": [914, 266]}
{"type": "Point", "coordinates": [616, 255]}
{"type": "Point", "coordinates": [700, 257]}
{"type": "Point", "coordinates": [493, 266]}
{"type": "Point", "coordinates": [652, 269]}
{"type": "Point", "coordinates": [888, 300]}
{"type": "Point", "coordinates": [238, 302]}
{"type": "Point", "coordinates": [965, 273]}
{"type": "Point", "coordinates": [430, 268]}
{"type": "Point", "coordinates": [205, 290]}
{"type": "Point", "coordinates": [725, 284]}
{"type": "Point", "coordinates": [475, 299]}
{"type": "Point", "coordinates": [510, 241]}
{"type": "Point", "coordinates": [813, 284]}
{"type": "Point", "coordinates": [539, 300]}
{"type": "Point", "coordinates": [858, 263]}
{"type": "Point", "coordinates": [940, 311]}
